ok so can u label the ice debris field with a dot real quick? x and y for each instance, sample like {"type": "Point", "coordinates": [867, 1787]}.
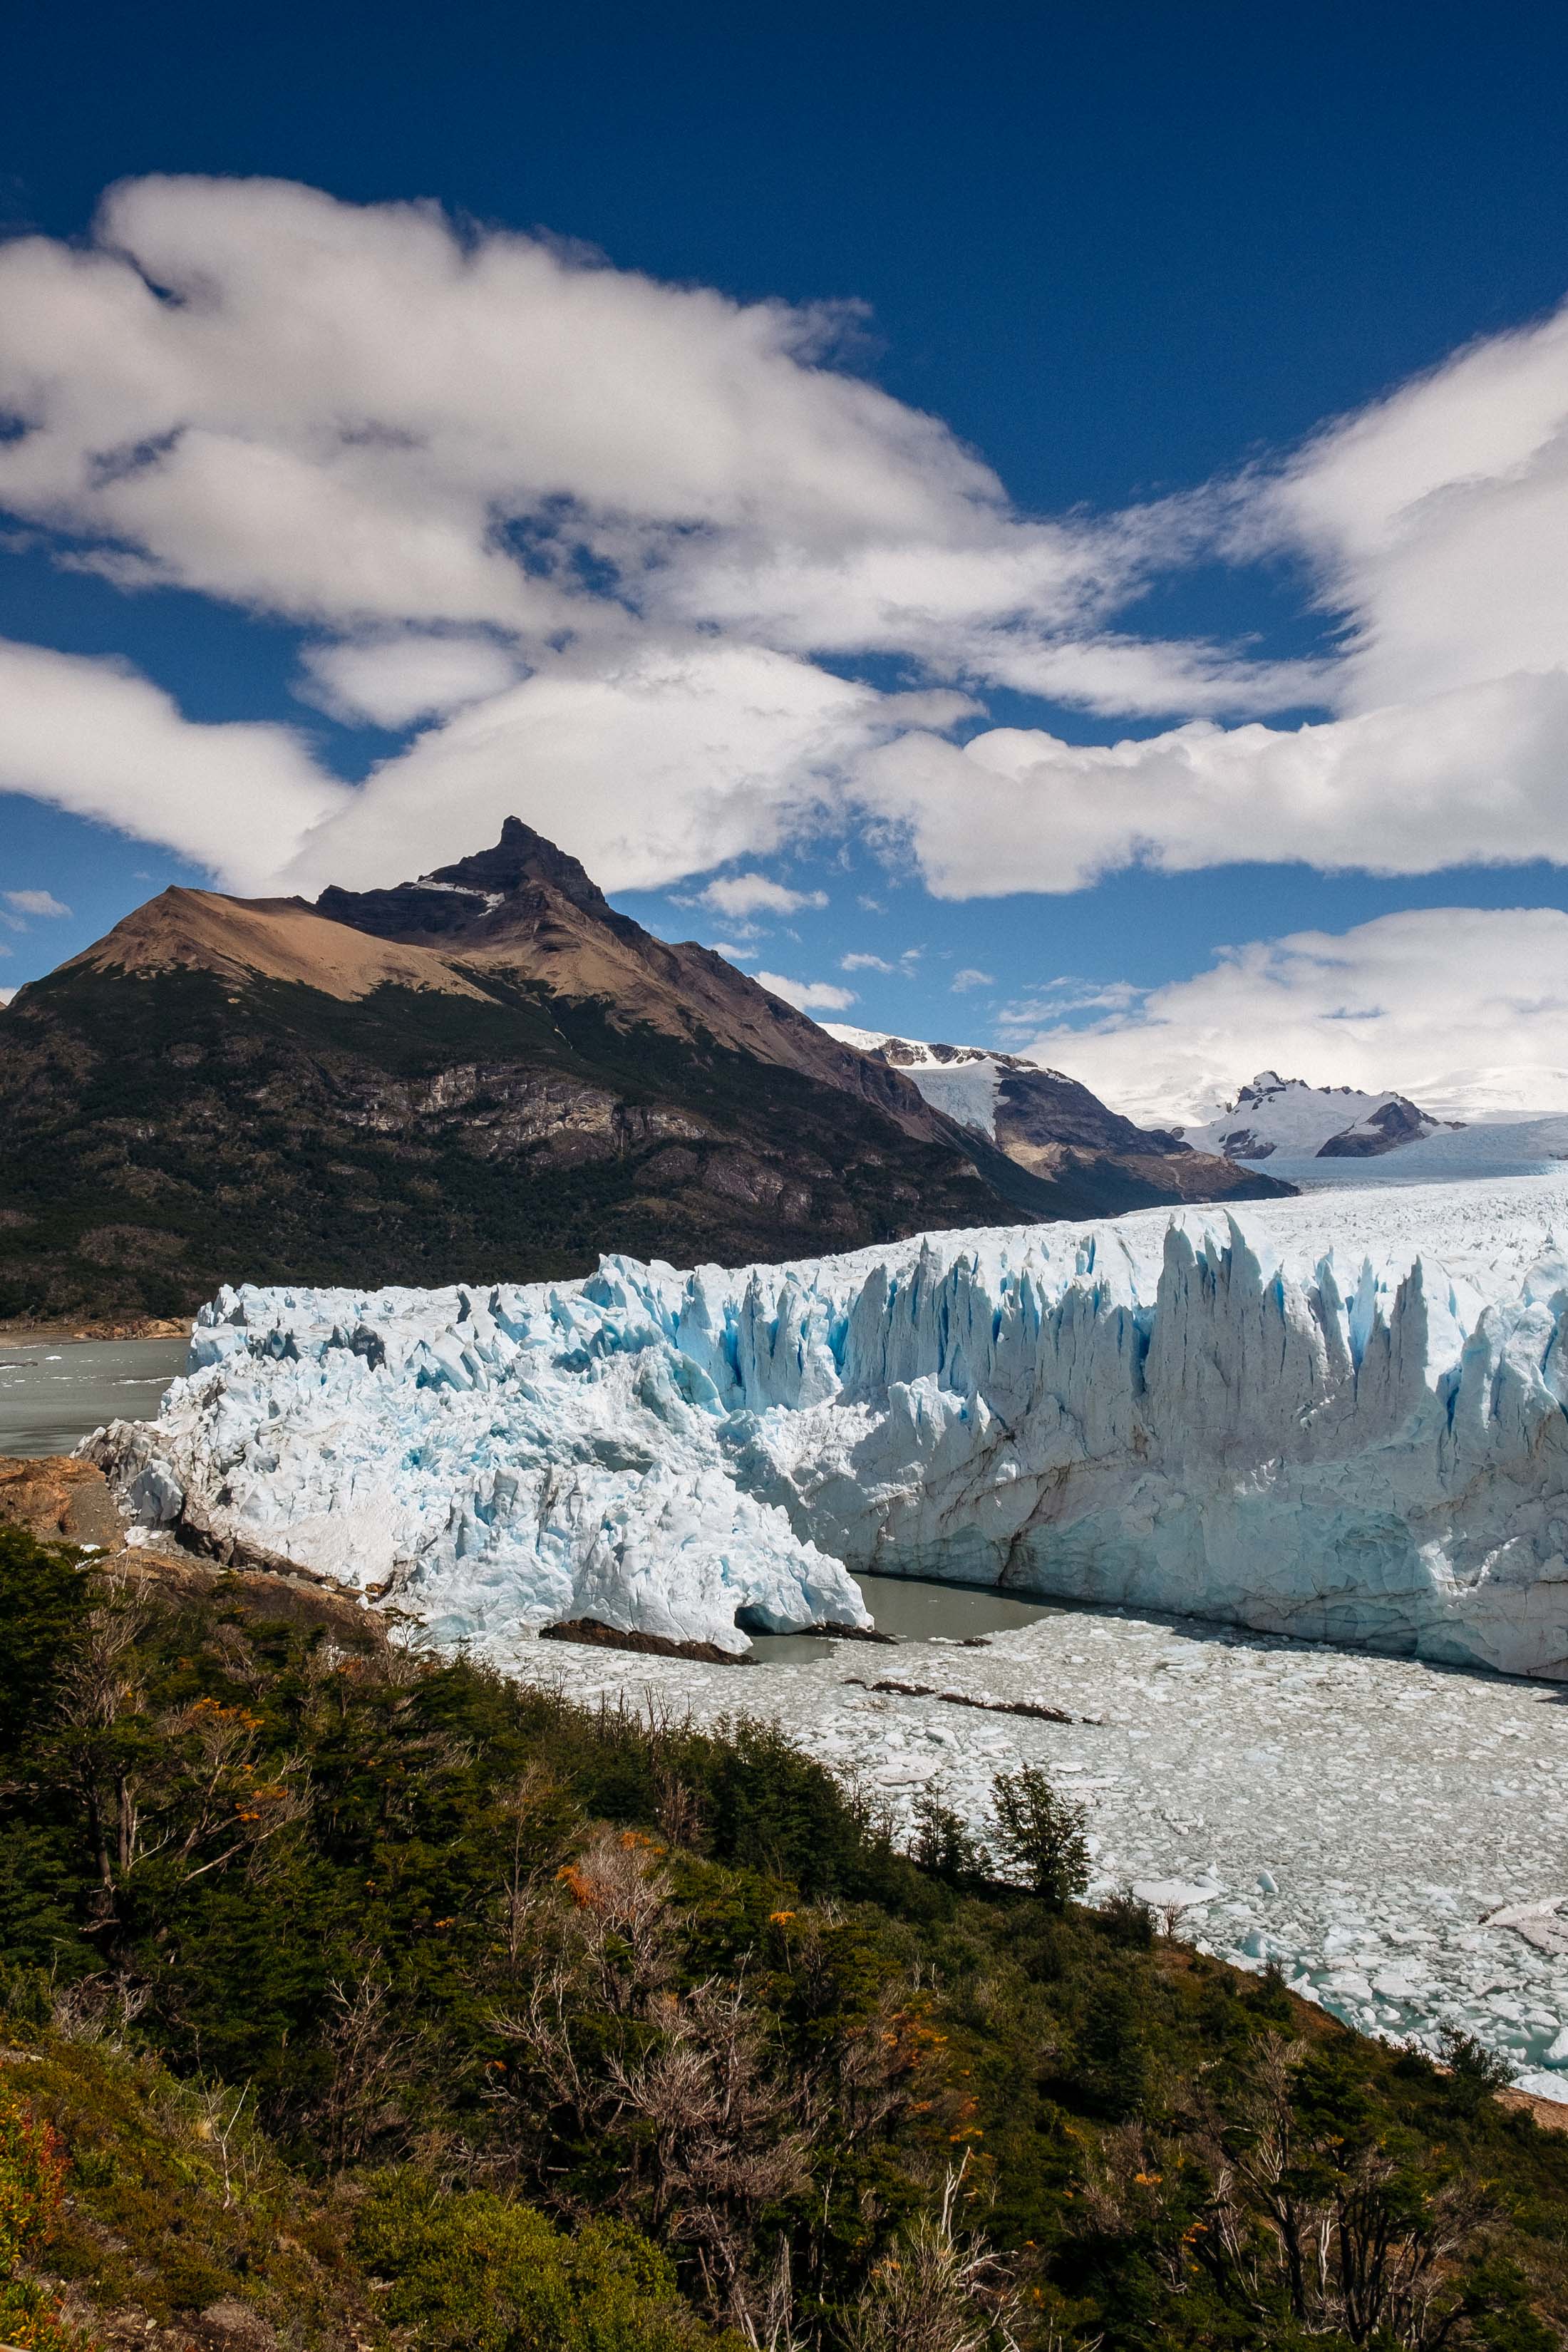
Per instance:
{"type": "Point", "coordinates": [1357, 1819]}
{"type": "Point", "coordinates": [1340, 1417]}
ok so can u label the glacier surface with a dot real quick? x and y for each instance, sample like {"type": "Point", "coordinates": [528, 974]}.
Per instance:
{"type": "Point", "coordinates": [1340, 1417]}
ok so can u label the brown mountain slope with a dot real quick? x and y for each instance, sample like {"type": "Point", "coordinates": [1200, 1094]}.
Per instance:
{"type": "Point", "coordinates": [526, 910]}
{"type": "Point", "coordinates": [487, 1074]}
{"type": "Point", "coordinates": [264, 939]}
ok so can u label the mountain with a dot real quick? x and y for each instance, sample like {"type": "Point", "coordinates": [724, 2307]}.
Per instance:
{"type": "Point", "coordinates": [1056, 1129]}
{"type": "Point", "coordinates": [487, 1072]}
{"type": "Point", "coordinates": [1302, 1122]}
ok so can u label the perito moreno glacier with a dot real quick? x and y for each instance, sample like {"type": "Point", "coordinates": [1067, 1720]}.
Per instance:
{"type": "Point", "coordinates": [1342, 1417]}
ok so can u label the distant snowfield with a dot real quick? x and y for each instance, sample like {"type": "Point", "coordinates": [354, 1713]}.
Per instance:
{"type": "Point", "coordinates": [1495, 1149]}
{"type": "Point", "coordinates": [1356, 1819]}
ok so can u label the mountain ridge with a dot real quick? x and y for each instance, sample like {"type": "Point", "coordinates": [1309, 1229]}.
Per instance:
{"type": "Point", "coordinates": [1291, 1117]}
{"type": "Point", "coordinates": [486, 1073]}
{"type": "Point", "coordinates": [1051, 1125]}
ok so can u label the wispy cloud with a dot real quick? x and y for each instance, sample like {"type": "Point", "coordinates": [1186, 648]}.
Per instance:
{"type": "Point", "coordinates": [630, 618]}
{"type": "Point", "coordinates": [34, 902]}
{"type": "Point", "coordinates": [970, 978]}
{"type": "Point", "coordinates": [808, 995]}
{"type": "Point", "coordinates": [756, 894]}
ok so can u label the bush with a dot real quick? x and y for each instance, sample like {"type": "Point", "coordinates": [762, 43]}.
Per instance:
{"type": "Point", "coordinates": [945, 1846]}
{"type": "Point", "coordinates": [470, 2270]}
{"type": "Point", "coordinates": [1041, 1835]}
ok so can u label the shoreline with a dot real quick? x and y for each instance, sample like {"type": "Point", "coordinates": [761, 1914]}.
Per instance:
{"type": "Point", "coordinates": [66, 1328]}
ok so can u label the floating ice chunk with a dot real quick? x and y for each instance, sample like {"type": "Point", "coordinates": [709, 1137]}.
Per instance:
{"type": "Point", "coordinates": [1174, 1894]}
{"type": "Point", "coordinates": [1539, 1923]}
{"type": "Point", "coordinates": [1542, 2085]}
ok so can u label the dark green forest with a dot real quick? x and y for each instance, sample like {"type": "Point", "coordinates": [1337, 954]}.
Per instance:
{"type": "Point", "coordinates": [359, 1999]}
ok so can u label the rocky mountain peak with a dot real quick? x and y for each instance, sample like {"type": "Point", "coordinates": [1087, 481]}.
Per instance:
{"type": "Point", "coordinates": [475, 897]}
{"type": "Point", "coordinates": [520, 858]}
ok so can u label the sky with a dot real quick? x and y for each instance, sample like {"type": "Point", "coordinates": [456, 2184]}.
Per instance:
{"type": "Point", "coordinates": [1034, 526]}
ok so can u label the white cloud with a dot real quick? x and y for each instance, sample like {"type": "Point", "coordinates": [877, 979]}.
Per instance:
{"type": "Point", "coordinates": [732, 953]}
{"type": "Point", "coordinates": [34, 902]}
{"type": "Point", "coordinates": [340, 413]}
{"type": "Point", "coordinates": [754, 894]}
{"type": "Point", "coordinates": [393, 680]}
{"type": "Point", "coordinates": [598, 529]}
{"type": "Point", "coordinates": [683, 756]}
{"type": "Point", "coordinates": [6, 994]}
{"type": "Point", "coordinates": [1464, 1009]}
{"type": "Point", "coordinates": [1474, 776]}
{"type": "Point", "coordinates": [808, 995]}
{"type": "Point", "coordinates": [1434, 521]}
{"type": "Point", "coordinates": [860, 962]}
{"type": "Point", "coordinates": [93, 738]}
{"type": "Point", "coordinates": [969, 978]}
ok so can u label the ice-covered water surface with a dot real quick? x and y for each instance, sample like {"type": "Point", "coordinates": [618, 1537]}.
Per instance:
{"type": "Point", "coordinates": [1358, 1819]}
{"type": "Point", "coordinates": [1340, 1417]}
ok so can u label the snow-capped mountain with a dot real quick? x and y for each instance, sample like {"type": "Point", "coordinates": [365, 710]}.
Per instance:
{"type": "Point", "coordinates": [1053, 1126]}
{"type": "Point", "coordinates": [1298, 1121]}
{"type": "Point", "coordinates": [1338, 1416]}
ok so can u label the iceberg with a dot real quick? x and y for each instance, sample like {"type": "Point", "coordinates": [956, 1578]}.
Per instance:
{"type": "Point", "coordinates": [1340, 1417]}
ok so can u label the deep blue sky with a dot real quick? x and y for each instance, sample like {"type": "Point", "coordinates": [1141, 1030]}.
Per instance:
{"type": "Point", "coordinates": [1118, 247]}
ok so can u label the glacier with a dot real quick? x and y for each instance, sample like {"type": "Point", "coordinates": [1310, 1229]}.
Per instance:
{"type": "Point", "coordinates": [1339, 1418]}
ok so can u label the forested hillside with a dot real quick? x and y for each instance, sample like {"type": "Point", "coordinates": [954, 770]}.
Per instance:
{"type": "Point", "coordinates": [354, 1998]}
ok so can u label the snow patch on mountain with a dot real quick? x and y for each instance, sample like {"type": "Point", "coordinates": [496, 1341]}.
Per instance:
{"type": "Point", "coordinates": [1286, 1116]}
{"type": "Point", "coordinates": [962, 1081]}
{"type": "Point", "coordinates": [1340, 1416]}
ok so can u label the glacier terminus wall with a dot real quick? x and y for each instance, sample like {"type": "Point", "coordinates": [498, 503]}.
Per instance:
{"type": "Point", "coordinates": [1340, 1417]}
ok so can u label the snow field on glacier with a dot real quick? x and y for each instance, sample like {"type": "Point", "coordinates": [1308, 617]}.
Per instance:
{"type": "Point", "coordinates": [1338, 1417]}
{"type": "Point", "coordinates": [1356, 1818]}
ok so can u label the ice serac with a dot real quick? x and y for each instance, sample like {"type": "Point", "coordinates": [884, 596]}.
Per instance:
{"type": "Point", "coordinates": [1340, 1417]}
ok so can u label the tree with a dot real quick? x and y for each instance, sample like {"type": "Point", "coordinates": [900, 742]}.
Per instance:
{"type": "Point", "coordinates": [42, 1600]}
{"type": "Point", "coordinates": [1041, 1834]}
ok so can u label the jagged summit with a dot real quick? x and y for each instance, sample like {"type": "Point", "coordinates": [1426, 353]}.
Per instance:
{"type": "Point", "coordinates": [475, 898]}
{"type": "Point", "coordinates": [520, 857]}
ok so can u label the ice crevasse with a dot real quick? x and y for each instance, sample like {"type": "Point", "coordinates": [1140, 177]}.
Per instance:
{"type": "Point", "coordinates": [1340, 1417]}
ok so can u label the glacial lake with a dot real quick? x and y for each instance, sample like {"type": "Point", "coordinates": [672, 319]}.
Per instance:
{"type": "Point", "coordinates": [55, 1392]}
{"type": "Point", "coordinates": [911, 1611]}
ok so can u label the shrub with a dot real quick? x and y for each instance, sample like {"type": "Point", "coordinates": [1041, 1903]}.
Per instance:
{"type": "Point", "coordinates": [945, 1845]}
{"type": "Point", "coordinates": [471, 2270]}
{"type": "Point", "coordinates": [32, 2173]}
